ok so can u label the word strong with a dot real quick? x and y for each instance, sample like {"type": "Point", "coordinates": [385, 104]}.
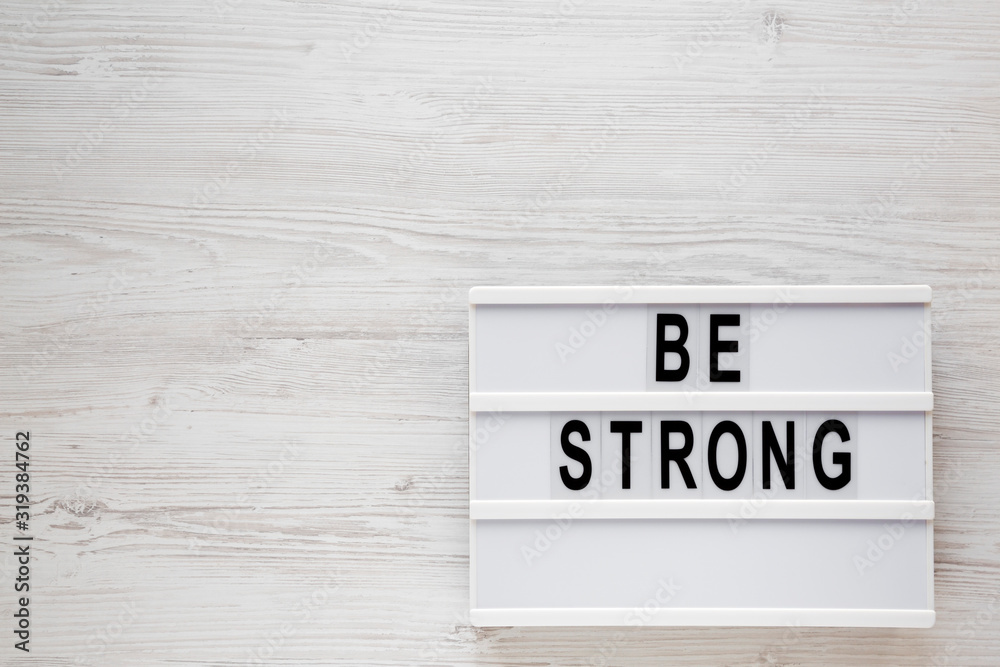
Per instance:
{"type": "Point", "coordinates": [687, 453]}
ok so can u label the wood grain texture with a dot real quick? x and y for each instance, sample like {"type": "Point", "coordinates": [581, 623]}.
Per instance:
{"type": "Point", "coordinates": [237, 239]}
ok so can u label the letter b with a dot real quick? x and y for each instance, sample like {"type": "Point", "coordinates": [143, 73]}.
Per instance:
{"type": "Point", "coordinates": [676, 346]}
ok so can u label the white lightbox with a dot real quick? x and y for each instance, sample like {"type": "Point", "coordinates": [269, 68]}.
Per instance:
{"type": "Point", "coordinates": [701, 456]}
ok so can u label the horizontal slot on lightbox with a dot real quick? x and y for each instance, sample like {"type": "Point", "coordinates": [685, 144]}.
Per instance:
{"type": "Point", "coordinates": [703, 508]}
{"type": "Point", "coordinates": [647, 401]}
{"type": "Point", "coordinates": [788, 618]}
{"type": "Point", "coordinates": [703, 294]}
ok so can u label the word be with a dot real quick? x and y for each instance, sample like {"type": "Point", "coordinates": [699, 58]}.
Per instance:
{"type": "Point", "coordinates": [698, 347]}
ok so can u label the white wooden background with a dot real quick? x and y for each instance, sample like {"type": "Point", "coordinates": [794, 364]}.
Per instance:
{"type": "Point", "coordinates": [237, 239]}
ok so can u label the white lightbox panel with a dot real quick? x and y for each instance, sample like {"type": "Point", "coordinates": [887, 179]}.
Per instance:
{"type": "Point", "coordinates": [531, 348]}
{"type": "Point", "coordinates": [857, 342]}
{"type": "Point", "coordinates": [512, 461]}
{"type": "Point", "coordinates": [857, 353]}
{"type": "Point", "coordinates": [714, 564]}
{"type": "Point", "coordinates": [518, 349]}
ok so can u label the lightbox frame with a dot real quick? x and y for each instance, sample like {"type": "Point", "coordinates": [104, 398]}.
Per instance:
{"type": "Point", "coordinates": [703, 508]}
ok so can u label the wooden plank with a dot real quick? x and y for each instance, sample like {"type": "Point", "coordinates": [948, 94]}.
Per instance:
{"type": "Point", "coordinates": [221, 237]}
